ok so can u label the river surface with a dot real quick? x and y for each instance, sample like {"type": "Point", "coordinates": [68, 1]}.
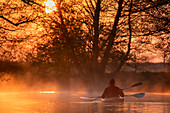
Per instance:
{"type": "Point", "coordinates": [64, 102]}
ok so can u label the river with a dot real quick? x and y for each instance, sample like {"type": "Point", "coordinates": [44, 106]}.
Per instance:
{"type": "Point", "coordinates": [64, 102]}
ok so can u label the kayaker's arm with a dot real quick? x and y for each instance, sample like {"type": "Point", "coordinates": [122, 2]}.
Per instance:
{"type": "Point", "coordinates": [121, 93]}
{"type": "Point", "coordinates": [104, 94]}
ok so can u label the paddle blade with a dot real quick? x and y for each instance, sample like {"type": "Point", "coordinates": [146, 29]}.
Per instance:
{"type": "Point", "coordinates": [139, 95]}
{"type": "Point", "coordinates": [137, 84]}
{"type": "Point", "coordinates": [89, 99]}
{"type": "Point", "coordinates": [94, 97]}
{"type": "Point", "coordinates": [134, 85]}
{"type": "Point", "coordinates": [84, 97]}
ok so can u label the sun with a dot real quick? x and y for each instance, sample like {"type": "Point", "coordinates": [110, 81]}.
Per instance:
{"type": "Point", "coordinates": [49, 6]}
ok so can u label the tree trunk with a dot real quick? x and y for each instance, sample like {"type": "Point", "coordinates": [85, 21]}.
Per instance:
{"type": "Point", "coordinates": [111, 38]}
{"type": "Point", "coordinates": [96, 41]}
{"type": "Point", "coordinates": [125, 57]}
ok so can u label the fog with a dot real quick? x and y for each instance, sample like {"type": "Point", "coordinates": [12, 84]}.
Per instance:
{"type": "Point", "coordinates": [34, 92]}
{"type": "Point", "coordinates": [29, 81]}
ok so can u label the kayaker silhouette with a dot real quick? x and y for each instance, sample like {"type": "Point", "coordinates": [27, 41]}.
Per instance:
{"type": "Point", "coordinates": [112, 91]}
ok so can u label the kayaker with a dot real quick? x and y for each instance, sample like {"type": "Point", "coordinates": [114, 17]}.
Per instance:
{"type": "Point", "coordinates": [112, 91]}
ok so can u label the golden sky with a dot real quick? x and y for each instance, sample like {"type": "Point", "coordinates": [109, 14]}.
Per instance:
{"type": "Point", "coordinates": [35, 30]}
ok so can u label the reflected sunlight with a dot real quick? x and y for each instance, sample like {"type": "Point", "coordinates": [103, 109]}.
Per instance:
{"type": "Point", "coordinates": [47, 91]}
{"type": "Point", "coordinates": [159, 93]}
{"type": "Point", "coordinates": [49, 6]}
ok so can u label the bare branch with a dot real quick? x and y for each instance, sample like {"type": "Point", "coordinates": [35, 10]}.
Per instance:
{"type": "Point", "coordinates": [16, 24]}
{"type": "Point", "coordinates": [31, 2]}
{"type": "Point", "coordinates": [7, 29]}
{"type": "Point", "coordinates": [153, 6]}
{"type": "Point", "coordinates": [89, 9]}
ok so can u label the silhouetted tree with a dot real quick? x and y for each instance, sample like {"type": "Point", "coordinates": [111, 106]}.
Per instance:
{"type": "Point", "coordinates": [87, 36]}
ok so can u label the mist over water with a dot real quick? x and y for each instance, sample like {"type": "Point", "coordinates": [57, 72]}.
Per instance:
{"type": "Point", "coordinates": [36, 93]}
{"type": "Point", "coordinates": [28, 81]}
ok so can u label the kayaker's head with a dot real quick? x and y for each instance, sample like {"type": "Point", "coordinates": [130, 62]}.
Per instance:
{"type": "Point", "coordinates": [112, 82]}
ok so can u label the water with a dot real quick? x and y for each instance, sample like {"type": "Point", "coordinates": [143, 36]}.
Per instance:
{"type": "Point", "coordinates": [64, 102]}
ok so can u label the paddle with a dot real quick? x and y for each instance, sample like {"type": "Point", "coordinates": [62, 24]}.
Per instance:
{"type": "Point", "coordinates": [137, 95]}
{"type": "Point", "coordinates": [96, 97]}
{"type": "Point", "coordinates": [134, 85]}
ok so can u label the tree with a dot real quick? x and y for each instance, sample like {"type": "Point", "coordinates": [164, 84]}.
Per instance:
{"type": "Point", "coordinates": [128, 21]}
{"type": "Point", "coordinates": [152, 27]}
{"type": "Point", "coordinates": [163, 44]}
{"type": "Point", "coordinates": [90, 35]}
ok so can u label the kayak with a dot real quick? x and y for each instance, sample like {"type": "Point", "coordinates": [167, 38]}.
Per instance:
{"type": "Point", "coordinates": [137, 95]}
{"type": "Point", "coordinates": [115, 100]}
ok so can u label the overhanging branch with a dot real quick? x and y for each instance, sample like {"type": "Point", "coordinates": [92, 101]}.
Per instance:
{"type": "Point", "coordinates": [31, 2]}
{"type": "Point", "coordinates": [153, 6]}
{"type": "Point", "coordinates": [16, 24]}
{"type": "Point", "coordinates": [7, 29]}
{"type": "Point", "coordinates": [149, 7]}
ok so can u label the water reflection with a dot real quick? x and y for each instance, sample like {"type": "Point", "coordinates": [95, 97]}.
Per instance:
{"type": "Point", "coordinates": [64, 102]}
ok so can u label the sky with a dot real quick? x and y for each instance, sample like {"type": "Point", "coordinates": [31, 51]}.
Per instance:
{"type": "Point", "coordinates": [32, 42]}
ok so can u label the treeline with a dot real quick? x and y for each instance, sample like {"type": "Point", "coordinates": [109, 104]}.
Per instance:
{"type": "Point", "coordinates": [34, 73]}
{"type": "Point", "coordinates": [152, 81]}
